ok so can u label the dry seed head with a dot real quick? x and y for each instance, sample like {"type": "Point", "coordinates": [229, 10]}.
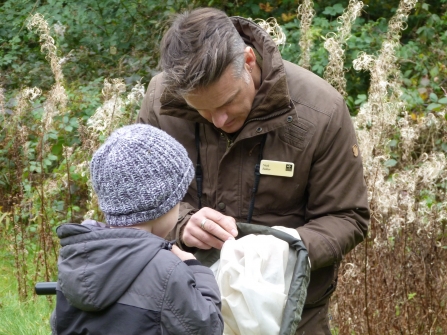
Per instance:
{"type": "Point", "coordinates": [409, 133]}
{"type": "Point", "coordinates": [350, 272]}
{"type": "Point", "coordinates": [59, 29]}
{"type": "Point", "coordinates": [434, 167]}
{"type": "Point", "coordinates": [305, 14]}
{"type": "Point", "coordinates": [363, 62]}
{"type": "Point", "coordinates": [108, 116]}
{"type": "Point", "coordinates": [57, 97]}
{"type": "Point", "coordinates": [113, 87]}
{"type": "Point", "coordinates": [272, 27]}
{"type": "Point", "coordinates": [82, 168]}
{"type": "Point", "coordinates": [24, 98]}
{"type": "Point", "coordinates": [335, 44]}
{"type": "Point", "coordinates": [55, 104]}
{"type": "Point", "coordinates": [38, 23]}
{"type": "Point", "coordinates": [136, 94]}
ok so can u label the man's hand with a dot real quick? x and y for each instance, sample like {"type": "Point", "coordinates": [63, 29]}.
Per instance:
{"type": "Point", "coordinates": [208, 229]}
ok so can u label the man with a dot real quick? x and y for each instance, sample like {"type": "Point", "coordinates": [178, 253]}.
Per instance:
{"type": "Point", "coordinates": [229, 98]}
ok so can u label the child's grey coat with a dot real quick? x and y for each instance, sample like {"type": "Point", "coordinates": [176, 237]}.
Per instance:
{"type": "Point", "coordinates": [126, 281]}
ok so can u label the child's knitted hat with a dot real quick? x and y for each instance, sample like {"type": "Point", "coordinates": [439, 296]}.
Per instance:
{"type": "Point", "coordinates": [139, 174]}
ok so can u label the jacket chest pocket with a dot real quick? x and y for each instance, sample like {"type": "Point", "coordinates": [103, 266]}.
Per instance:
{"type": "Point", "coordinates": [277, 194]}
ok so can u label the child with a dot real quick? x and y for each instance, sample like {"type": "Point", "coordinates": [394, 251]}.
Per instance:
{"type": "Point", "coordinates": [130, 280]}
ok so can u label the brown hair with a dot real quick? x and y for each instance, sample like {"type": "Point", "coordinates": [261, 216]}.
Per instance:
{"type": "Point", "coordinates": [197, 49]}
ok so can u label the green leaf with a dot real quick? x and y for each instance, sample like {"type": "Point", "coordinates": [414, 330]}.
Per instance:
{"type": "Point", "coordinates": [434, 107]}
{"type": "Point", "coordinates": [433, 97]}
{"type": "Point", "coordinates": [393, 143]}
{"type": "Point", "coordinates": [329, 11]}
{"type": "Point", "coordinates": [57, 149]}
{"type": "Point", "coordinates": [361, 98]}
{"type": "Point", "coordinates": [27, 187]}
{"type": "Point", "coordinates": [443, 101]}
{"type": "Point", "coordinates": [411, 295]}
{"type": "Point", "coordinates": [338, 8]}
{"type": "Point", "coordinates": [390, 163]}
{"type": "Point", "coordinates": [52, 135]}
{"type": "Point", "coordinates": [434, 71]}
{"type": "Point", "coordinates": [74, 122]}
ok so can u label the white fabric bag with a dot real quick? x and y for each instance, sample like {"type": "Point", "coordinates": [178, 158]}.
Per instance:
{"type": "Point", "coordinates": [254, 275]}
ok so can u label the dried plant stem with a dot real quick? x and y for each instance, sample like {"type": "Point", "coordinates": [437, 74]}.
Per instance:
{"type": "Point", "coordinates": [305, 14]}
{"type": "Point", "coordinates": [2, 101]}
{"type": "Point", "coordinates": [67, 155]}
{"type": "Point", "coordinates": [335, 44]}
{"type": "Point", "coordinates": [366, 285]}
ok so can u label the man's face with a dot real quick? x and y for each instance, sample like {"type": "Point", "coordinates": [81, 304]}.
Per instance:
{"type": "Point", "coordinates": [227, 102]}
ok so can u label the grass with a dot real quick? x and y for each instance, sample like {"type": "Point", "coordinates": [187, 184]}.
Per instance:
{"type": "Point", "coordinates": [30, 317]}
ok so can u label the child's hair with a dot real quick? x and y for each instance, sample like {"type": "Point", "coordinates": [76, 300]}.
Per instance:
{"type": "Point", "coordinates": [139, 174]}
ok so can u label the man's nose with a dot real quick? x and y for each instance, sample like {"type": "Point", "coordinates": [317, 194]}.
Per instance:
{"type": "Point", "coordinates": [219, 118]}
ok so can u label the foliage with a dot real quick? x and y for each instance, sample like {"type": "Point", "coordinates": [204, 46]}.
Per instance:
{"type": "Point", "coordinates": [107, 38]}
{"type": "Point", "coordinates": [60, 104]}
{"type": "Point", "coordinates": [20, 317]}
{"type": "Point", "coordinates": [367, 35]}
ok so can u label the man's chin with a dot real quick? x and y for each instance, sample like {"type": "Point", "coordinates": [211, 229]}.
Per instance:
{"type": "Point", "coordinates": [231, 128]}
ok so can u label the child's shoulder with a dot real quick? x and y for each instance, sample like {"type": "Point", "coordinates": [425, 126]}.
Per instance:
{"type": "Point", "coordinates": [166, 259]}
{"type": "Point", "coordinates": [163, 268]}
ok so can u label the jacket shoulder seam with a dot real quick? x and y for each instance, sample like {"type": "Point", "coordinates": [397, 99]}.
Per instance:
{"type": "Point", "coordinates": [315, 108]}
{"type": "Point", "coordinates": [168, 304]}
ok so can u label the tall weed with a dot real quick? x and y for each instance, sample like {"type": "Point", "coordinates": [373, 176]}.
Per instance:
{"type": "Point", "coordinates": [395, 283]}
{"type": "Point", "coordinates": [45, 149]}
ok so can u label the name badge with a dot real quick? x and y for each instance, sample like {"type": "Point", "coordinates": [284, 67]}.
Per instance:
{"type": "Point", "coordinates": [277, 168]}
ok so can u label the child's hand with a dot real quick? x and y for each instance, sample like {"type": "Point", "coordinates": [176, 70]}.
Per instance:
{"type": "Point", "coordinates": [183, 255]}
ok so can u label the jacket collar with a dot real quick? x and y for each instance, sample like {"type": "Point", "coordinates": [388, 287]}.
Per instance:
{"type": "Point", "coordinates": [273, 94]}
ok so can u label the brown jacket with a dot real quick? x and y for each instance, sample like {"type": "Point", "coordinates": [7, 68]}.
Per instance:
{"type": "Point", "coordinates": [307, 123]}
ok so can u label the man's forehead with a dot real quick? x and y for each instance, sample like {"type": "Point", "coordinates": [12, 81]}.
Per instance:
{"type": "Point", "coordinates": [214, 96]}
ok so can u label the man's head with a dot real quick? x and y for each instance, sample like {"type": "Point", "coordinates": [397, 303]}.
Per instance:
{"type": "Point", "coordinates": [139, 174]}
{"type": "Point", "coordinates": [205, 60]}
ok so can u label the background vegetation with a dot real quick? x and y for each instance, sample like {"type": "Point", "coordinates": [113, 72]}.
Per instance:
{"type": "Point", "coordinates": [71, 72]}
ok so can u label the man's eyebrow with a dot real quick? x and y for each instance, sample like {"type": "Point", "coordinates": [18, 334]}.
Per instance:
{"type": "Point", "coordinates": [231, 98]}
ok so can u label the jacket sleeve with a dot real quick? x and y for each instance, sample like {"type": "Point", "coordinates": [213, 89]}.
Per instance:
{"type": "Point", "coordinates": [337, 212]}
{"type": "Point", "coordinates": [146, 114]}
{"type": "Point", "coordinates": [192, 303]}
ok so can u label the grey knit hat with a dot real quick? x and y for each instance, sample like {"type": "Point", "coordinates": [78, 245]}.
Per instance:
{"type": "Point", "coordinates": [139, 174]}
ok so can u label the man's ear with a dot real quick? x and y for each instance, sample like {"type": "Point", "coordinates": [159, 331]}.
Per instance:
{"type": "Point", "coordinates": [250, 57]}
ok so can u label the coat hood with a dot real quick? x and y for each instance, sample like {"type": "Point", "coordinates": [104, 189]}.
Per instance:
{"type": "Point", "coordinates": [273, 92]}
{"type": "Point", "coordinates": [98, 264]}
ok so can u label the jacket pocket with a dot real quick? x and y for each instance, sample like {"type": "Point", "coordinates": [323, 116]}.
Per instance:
{"type": "Point", "coordinates": [323, 283]}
